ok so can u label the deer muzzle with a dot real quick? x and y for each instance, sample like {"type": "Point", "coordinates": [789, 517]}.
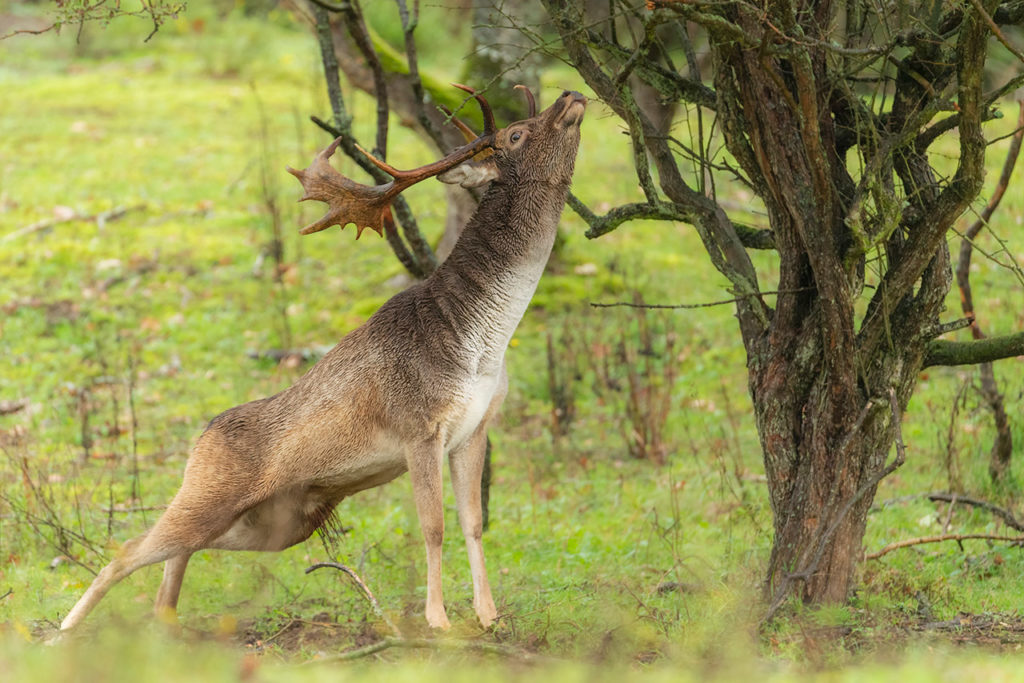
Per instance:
{"type": "Point", "coordinates": [572, 109]}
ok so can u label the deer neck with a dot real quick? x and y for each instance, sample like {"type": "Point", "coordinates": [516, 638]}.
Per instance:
{"type": "Point", "coordinates": [484, 286]}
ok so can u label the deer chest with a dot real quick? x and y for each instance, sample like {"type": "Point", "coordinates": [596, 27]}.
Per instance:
{"type": "Point", "coordinates": [471, 407]}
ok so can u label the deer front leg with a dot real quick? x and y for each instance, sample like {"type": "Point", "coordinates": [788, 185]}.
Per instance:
{"type": "Point", "coordinates": [467, 464]}
{"type": "Point", "coordinates": [425, 460]}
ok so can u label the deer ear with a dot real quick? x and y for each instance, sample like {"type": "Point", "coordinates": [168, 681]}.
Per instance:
{"type": "Point", "coordinates": [471, 173]}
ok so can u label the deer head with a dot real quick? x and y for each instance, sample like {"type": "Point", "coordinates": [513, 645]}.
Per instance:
{"type": "Point", "coordinates": [553, 135]}
{"type": "Point", "coordinates": [538, 149]}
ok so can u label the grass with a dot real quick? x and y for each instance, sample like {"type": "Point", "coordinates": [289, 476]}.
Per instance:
{"type": "Point", "coordinates": [125, 338]}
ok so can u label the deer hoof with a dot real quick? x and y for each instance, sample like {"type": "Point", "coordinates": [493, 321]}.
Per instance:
{"type": "Point", "coordinates": [486, 614]}
{"type": "Point", "coordinates": [439, 621]}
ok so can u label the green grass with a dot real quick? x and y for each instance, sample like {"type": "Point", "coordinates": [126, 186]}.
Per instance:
{"type": "Point", "coordinates": [158, 309]}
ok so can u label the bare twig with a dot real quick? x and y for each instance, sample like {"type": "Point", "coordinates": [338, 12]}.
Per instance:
{"type": "Point", "coordinates": [967, 247]}
{"type": "Point", "coordinates": [133, 510]}
{"type": "Point", "coordinates": [634, 304]}
{"type": "Point", "coordinates": [951, 460]}
{"type": "Point", "coordinates": [949, 514]}
{"type": "Point", "coordinates": [751, 237]}
{"type": "Point", "coordinates": [409, 24]}
{"type": "Point", "coordinates": [10, 591]}
{"type": "Point", "coordinates": [938, 539]}
{"type": "Point", "coordinates": [367, 593]}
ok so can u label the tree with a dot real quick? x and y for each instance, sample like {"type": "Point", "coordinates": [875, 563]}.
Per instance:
{"type": "Point", "coordinates": [829, 111]}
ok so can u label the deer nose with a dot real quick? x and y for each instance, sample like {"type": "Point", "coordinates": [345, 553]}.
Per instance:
{"type": "Point", "coordinates": [574, 96]}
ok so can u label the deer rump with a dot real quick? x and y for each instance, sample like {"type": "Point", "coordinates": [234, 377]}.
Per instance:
{"type": "Point", "coordinates": [420, 380]}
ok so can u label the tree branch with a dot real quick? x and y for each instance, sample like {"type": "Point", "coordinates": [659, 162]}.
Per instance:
{"type": "Point", "coordinates": [332, 6]}
{"type": "Point", "coordinates": [363, 588]}
{"type": "Point", "coordinates": [717, 233]}
{"type": "Point", "coordinates": [942, 352]}
{"type": "Point", "coordinates": [752, 238]}
{"type": "Point", "coordinates": [929, 229]}
{"type": "Point", "coordinates": [995, 30]}
{"type": "Point", "coordinates": [669, 84]}
{"type": "Point", "coordinates": [424, 262]}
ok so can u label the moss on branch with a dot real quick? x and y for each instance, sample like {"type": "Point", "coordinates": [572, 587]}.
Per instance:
{"type": "Point", "coordinates": [942, 352]}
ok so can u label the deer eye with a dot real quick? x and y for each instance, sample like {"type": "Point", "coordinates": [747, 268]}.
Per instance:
{"type": "Point", "coordinates": [515, 136]}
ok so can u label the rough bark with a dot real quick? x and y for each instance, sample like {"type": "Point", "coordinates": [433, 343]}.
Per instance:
{"type": "Point", "coordinates": [843, 184]}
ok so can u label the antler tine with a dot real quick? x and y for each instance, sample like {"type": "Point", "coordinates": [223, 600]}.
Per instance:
{"type": "Point", "coordinates": [467, 132]}
{"type": "Point", "coordinates": [369, 207]}
{"type": "Point", "coordinates": [489, 127]}
{"type": "Point", "coordinates": [382, 165]}
{"type": "Point", "coordinates": [532, 103]}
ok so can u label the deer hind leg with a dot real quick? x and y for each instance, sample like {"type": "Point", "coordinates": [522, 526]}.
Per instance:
{"type": "Point", "coordinates": [136, 553]}
{"type": "Point", "coordinates": [188, 524]}
{"type": "Point", "coordinates": [166, 608]}
{"type": "Point", "coordinates": [467, 464]}
{"type": "Point", "coordinates": [425, 463]}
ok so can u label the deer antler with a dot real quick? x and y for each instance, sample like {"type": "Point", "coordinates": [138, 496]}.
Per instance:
{"type": "Point", "coordinates": [531, 103]}
{"type": "Point", "coordinates": [369, 207]}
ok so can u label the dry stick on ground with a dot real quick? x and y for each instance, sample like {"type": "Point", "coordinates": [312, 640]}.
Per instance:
{"type": "Point", "coordinates": [1002, 448]}
{"type": "Point", "coordinates": [1002, 513]}
{"type": "Point", "coordinates": [101, 218]}
{"type": "Point", "coordinates": [938, 539]}
{"type": "Point", "coordinates": [10, 407]}
{"type": "Point", "coordinates": [399, 641]}
{"type": "Point", "coordinates": [438, 645]}
{"type": "Point", "coordinates": [367, 593]}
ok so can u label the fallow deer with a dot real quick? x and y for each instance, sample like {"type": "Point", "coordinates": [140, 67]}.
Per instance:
{"type": "Point", "coordinates": [419, 380]}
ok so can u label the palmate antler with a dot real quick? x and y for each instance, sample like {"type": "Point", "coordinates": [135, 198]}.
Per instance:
{"type": "Point", "coordinates": [369, 207]}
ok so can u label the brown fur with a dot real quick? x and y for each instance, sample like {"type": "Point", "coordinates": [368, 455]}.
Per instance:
{"type": "Point", "coordinates": [420, 379]}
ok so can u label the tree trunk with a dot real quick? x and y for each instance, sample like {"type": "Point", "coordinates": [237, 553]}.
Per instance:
{"type": "Point", "coordinates": [823, 460]}
{"type": "Point", "coordinates": [825, 422]}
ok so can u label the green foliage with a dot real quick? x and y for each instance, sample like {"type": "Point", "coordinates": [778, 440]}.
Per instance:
{"type": "Point", "coordinates": [125, 335]}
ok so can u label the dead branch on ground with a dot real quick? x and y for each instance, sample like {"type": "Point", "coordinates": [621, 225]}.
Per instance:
{"type": "Point", "coordinates": [400, 641]}
{"type": "Point", "coordinates": [100, 219]}
{"type": "Point", "coordinates": [907, 543]}
{"type": "Point", "coordinates": [1002, 513]}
